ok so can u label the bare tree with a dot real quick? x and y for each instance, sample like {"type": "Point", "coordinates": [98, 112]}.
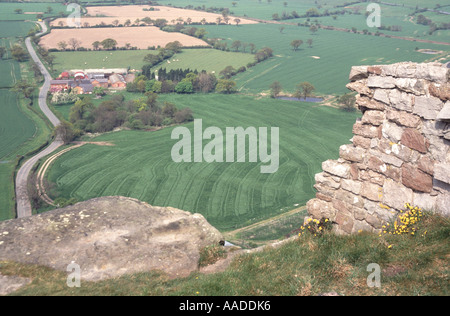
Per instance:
{"type": "Point", "coordinates": [74, 43]}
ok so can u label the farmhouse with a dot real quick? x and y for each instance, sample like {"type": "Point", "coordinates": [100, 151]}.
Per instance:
{"type": "Point", "coordinates": [117, 81]}
{"type": "Point", "coordinates": [84, 82]}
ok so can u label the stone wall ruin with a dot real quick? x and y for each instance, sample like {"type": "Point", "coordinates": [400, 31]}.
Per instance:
{"type": "Point", "coordinates": [399, 152]}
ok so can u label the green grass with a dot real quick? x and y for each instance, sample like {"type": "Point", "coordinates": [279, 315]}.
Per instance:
{"type": "Point", "coordinates": [15, 128]}
{"type": "Point", "coordinates": [338, 52]}
{"type": "Point", "coordinates": [22, 129]}
{"type": "Point", "coordinates": [414, 266]}
{"type": "Point", "coordinates": [200, 59]}
{"type": "Point", "coordinates": [7, 10]}
{"type": "Point", "coordinates": [15, 28]}
{"type": "Point", "coordinates": [94, 59]}
{"type": "Point", "coordinates": [7, 205]}
{"type": "Point", "coordinates": [207, 59]}
{"type": "Point", "coordinates": [230, 195]}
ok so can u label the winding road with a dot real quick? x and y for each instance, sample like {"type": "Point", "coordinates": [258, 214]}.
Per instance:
{"type": "Point", "coordinates": [23, 202]}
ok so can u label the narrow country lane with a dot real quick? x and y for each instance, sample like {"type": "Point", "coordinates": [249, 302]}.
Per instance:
{"type": "Point", "coordinates": [23, 202]}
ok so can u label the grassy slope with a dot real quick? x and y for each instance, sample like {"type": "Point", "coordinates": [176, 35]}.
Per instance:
{"type": "Point", "coordinates": [229, 195]}
{"type": "Point", "coordinates": [414, 265]}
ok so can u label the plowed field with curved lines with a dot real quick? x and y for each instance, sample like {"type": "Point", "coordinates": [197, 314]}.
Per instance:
{"type": "Point", "coordinates": [229, 195]}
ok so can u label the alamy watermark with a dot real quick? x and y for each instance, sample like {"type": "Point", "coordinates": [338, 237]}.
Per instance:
{"type": "Point", "coordinates": [74, 18]}
{"type": "Point", "coordinates": [74, 277]}
{"type": "Point", "coordinates": [374, 18]}
{"type": "Point", "coordinates": [232, 145]}
{"type": "Point", "coordinates": [374, 278]}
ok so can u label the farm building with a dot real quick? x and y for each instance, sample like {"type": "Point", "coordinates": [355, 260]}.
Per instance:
{"type": "Point", "coordinates": [59, 85]}
{"type": "Point", "coordinates": [117, 81]}
{"type": "Point", "coordinates": [84, 82]}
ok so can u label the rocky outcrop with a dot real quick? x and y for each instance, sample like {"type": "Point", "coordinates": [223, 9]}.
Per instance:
{"type": "Point", "coordinates": [108, 237]}
{"type": "Point", "coordinates": [399, 152]}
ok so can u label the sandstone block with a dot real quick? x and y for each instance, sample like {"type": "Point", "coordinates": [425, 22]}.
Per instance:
{"type": "Point", "coordinates": [392, 131]}
{"type": "Point", "coordinates": [403, 118]}
{"type": "Point", "coordinates": [416, 179]}
{"type": "Point", "coordinates": [336, 168]}
{"type": "Point", "coordinates": [319, 208]}
{"type": "Point", "coordinates": [373, 117]}
{"type": "Point", "coordinates": [426, 165]}
{"type": "Point", "coordinates": [443, 204]}
{"type": "Point", "coordinates": [441, 91]}
{"type": "Point", "coordinates": [360, 87]}
{"type": "Point", "coordinates": [432, 71]}
{"type": "Point", "coordinates": [345, 221]}
{"type": "Point", "coordinates": [325, 180]}
{"type": "Point", "coordinates": [358, 72]}
{"type": "Point", "coordinates": [427, 107]}
{"type": "Point", "coordinates": [381, 95]}
{"type": "Point", "coordinates": [365, 102]}
{"type": "Point", "coordinates": [425, 201]}
{"type": "Point", "coordinates": [352, 186]}
{"type": "Point", "coordinates": [109, 237]}
{"type": "Point", "coordinates": [444, 113]}
{"type": "Point", "coordinates": [381, 82]}
{"type": "Point", "coordinates": [374, 70]}
{"type": "Point", "coordinates": [396, 194]}
{"type": "Point", "coordinates": [351, 153]}
{"type": "Point", "coordinates": [364, 130]}
{"type": "Point", "coordinates": [414, 140]}
{"type": "Point", "coordinates": [401, 100]}
{"type": "Point", "coordinates": [411, 85]}
{"type": "Point", "coordinates": [371, 191]}
{"type": "Point", "coordinates": [442, 172]}
{"type": "Point", "coordinates": [361, 141]}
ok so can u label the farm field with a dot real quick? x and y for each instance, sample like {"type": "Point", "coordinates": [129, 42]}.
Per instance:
{"type": "Point", "coordinates": [202, 59]}
{"type": "Point", "coordinates": [16, 127]}
{"type": "Point", "coordinates": [326, 64]}
{"type": "Point", "coordinates": [15, 28]}
{"type": "Point", "coordinates": [30, 10]}
{"type": "Point", "coordinates": [107, 14]}
{"type": "Point", "coordinates": [21, 129]}
{"type": "Point", "coordinates": [211, 60]}
{"type": "Point", "coordinates": [230, 195]}
{"type": "Point", "coordinates": [142, 37]}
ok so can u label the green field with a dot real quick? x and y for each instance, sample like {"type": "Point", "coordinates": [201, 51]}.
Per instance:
{"type": "Point", "coordinates": [22, 129]}
{"type": "Point", "coordinates": [200, 59]}
{"type": "Point", "coordinates": [207, 59]}
{"type": "Point", "coordinates": [100, 59]}
{"type": "Point", "coordinates": [15, 128]}
{"type": "Point", "coordinates": [338, 52]}
{"type": "Point", "coordinates": [230, 195]}
{"type": "Point", "coordinates": [29, 10]}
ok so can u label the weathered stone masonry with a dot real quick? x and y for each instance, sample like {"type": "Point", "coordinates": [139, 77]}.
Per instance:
{"type": "Point", "coordinates": [399, 152]}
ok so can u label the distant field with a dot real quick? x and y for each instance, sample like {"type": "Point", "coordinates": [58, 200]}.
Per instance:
{"type": "Point", "coordinates": [338, 52]}
{"type": "Point", "coordinates": [30, 10]}
{"type": "Point", "coordinates": [200, 59]}
{"type": "Point", "coordinates": [15, 28]}
{"type": "Point", "coordinates": [107, 14]}
{"type": "Point", "coordinates": [230, 195]}
{"type": "Point", "coordinates": [141, 37]}
{"type": "Point", "coordinates": [207, 59]}
{"type": "Point", "coordinates": [99, 59]}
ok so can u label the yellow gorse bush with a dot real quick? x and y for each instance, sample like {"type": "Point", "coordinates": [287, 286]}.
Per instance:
{"type": "Point", "coordinates": [406, 222]}
{"type": "Point", "coordinates": [315, 227]}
